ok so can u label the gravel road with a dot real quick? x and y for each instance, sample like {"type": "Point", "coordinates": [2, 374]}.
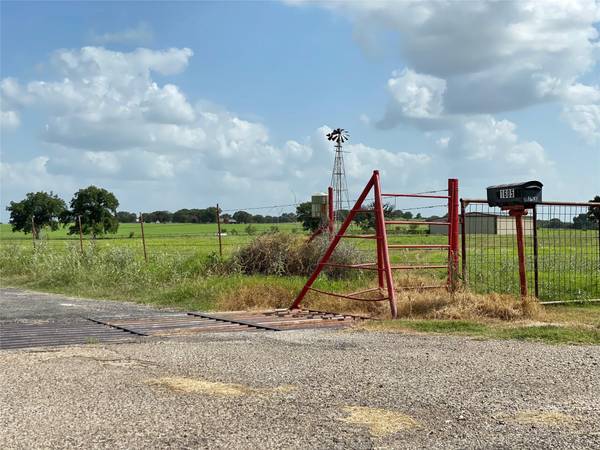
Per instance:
{"type": "Point", "coordinates": [302, 389]}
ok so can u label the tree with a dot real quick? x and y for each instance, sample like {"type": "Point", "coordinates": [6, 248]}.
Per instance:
{"type": "Point", "coordinates": [126, 217]}
{"type": "Point", "coordinates": [583, 222]}
{"type": "Point", "coordinates": [288, 218]}
{"type": "Point", "coordinates": [242, 217]}
{"type": "Point", "coordinates": [366, 221]}
{"type": "Point", "coordinates": [45, 208]}
{"type": "Point", "coordinates": [593, 213]}
{"type": "Point", "coordinates": [304, 215]}
{"type": "Point", "coordinates": [158, 216]}
{"type": "Point", "coordinates": [182, 216]}
{"type": "Point", "coordinates": [97, 208]}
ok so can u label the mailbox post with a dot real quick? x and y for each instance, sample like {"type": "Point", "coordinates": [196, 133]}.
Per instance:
{"type": "Point", "coordinates": [516, 199]}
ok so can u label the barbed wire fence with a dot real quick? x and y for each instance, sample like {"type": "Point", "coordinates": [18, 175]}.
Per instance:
{"type": "Point", "coordinates": [562, 241]}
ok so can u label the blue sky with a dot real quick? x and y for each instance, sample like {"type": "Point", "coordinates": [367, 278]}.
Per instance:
{"type": "Point", "coordinates": [185, 104]}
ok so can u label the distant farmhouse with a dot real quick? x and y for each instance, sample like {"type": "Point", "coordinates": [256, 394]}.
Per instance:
{"type": "Point", "coordinates": [482, 223]}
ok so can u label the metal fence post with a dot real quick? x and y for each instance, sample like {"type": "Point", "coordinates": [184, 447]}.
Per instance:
{"type": "Point", "coordinates": [463, 240]}
{"type": "Point", "coordinates": [535, 254]}
{"type": "Point", "coordinates": [452, 233]}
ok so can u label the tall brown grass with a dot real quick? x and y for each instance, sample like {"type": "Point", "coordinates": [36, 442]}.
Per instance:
{"type": "Point", "coordinates": [424, 304]}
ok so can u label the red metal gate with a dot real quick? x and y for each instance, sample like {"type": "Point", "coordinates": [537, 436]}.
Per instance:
{"type": "Point", "coordinates": [386, 288]}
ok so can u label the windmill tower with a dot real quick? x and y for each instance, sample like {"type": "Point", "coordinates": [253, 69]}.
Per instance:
{"type": "Point", "coordinates": [338, 176]}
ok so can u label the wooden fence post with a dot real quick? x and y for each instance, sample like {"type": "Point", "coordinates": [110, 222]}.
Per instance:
{"type": "Point", "coordinates": [219, 232]}
{"type": "Point", "coordinates": [143, 237]}
{"type": "Point", "coordinates": [80, 234]}
{"type": "Point", "coordinates": [33, 230]}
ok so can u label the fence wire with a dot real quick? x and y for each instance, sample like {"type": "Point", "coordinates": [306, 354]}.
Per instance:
{"type": "Point", "coordinates": [562, 248]}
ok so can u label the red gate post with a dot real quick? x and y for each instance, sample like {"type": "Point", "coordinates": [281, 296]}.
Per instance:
{"type": "Point", "coordinates": [452, 233]}
{"type": "Point", "coordinates": [330, 212]}
{"type": "Point", "coordinates": [518, 214]}
{"type": "Point", "coordinates": [382, 240]}
{"type": "Point", "coordinates": [379, 231]}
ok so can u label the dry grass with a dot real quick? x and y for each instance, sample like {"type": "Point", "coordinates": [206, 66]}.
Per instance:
{"type": "Point", "coordinates": [379, 421]}
{"type": "Point", "coordinates": [413, 304]}
{"type": "Point", "coordinates": [464, 305]}
{"type": "Point", "coordinates": [199, 386]}
{"type": "Point", "coordinates": [547, 418]}
{"type": "Point", "coordinates": [256, 296]}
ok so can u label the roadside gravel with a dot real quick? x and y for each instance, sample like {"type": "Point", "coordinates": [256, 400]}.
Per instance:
{"type": "Point", "coordinates": [297, 389]}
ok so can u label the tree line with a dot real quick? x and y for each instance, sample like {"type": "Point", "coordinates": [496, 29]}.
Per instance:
{"type": "Point", "coordinates": [94, 211]}
{"type": "Point", "coordinates": [206, 215]}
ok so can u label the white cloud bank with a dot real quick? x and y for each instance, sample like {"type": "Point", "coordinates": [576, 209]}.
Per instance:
{"type": "Point", "coordinates": [108, 121]}
{"type": "Point", "coordinates": [468, 59]}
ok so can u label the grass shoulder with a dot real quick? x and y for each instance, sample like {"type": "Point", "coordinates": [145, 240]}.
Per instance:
{"type": "Point", "coordinates": [549, 333]}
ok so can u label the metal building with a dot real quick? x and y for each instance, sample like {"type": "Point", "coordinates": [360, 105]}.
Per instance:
{"type": "Point", "coordinates": [482, 223]}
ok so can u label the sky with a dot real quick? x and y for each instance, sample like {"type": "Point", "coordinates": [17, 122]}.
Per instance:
{"type": "Point", "coordinates": [187, 104]}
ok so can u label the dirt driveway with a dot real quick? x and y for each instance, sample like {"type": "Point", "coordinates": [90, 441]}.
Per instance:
{"type": "Point", "coordinates": [300, 389]}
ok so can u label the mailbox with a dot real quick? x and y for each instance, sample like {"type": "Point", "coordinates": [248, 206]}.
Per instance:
{"type": "Point", "coordinates": [517, 194]}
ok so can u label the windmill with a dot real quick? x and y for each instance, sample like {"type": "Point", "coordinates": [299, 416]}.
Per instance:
{"type": "Point", "coordinates": [338, 176]}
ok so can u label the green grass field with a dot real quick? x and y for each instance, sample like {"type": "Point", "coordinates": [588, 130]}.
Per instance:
{"type": "Point", "coordinates": [569, 263]}
{"type": "Point", "coordinates": [185, 272]}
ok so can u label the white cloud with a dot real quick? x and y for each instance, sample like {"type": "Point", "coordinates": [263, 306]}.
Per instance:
{"type": "Point", "coordinates": [9, 120]}
{"type": "Point", "coordinates": [141, 34]}
{"type": "Point", "coordinates": [483, 47]}
{"type": "Point", "coordinates": [486, 57]}
{"type": "Point", "coordinates": [585, 120]}
{"type": "Point", "coordinates": [21, 177]}
{"type": "Point", "coordinates": [419, 96]}
{"type": "Point", "coordinates": [484, 147]}
{"type": "Point", "coordinates": [107, 121]}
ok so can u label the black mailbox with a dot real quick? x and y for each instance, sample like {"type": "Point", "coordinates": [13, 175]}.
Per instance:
{"type": "Point", "coordinates": [517, 194]}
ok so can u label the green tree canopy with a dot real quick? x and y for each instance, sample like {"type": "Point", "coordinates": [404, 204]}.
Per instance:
{"type": "Point", "coordinates": [593, 213]}
{"type": "Point", "coordinates": [304, 215]}
{"type": "Point", "coordinates": [242, 217]}
{"type": "Point", "coordinates": [158, 216]}
{"type": "Point", "coordinates": [366, 221]}
{"type": "Point", "coordinates": [45, 208]}
{"type": "Point", "coordinates": [126, 217]}
{"type": "Point", "coordinates": [97, 208]}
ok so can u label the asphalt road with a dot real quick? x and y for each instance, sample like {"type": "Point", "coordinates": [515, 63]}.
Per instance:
{"type": "Point", "coordinates": [300, 389]}
{"type": "Point", "coordinates": [17, 305]}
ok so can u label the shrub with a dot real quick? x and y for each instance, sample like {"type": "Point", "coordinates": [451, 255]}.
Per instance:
{"type": "Point", "coordinates": [285, 254]}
